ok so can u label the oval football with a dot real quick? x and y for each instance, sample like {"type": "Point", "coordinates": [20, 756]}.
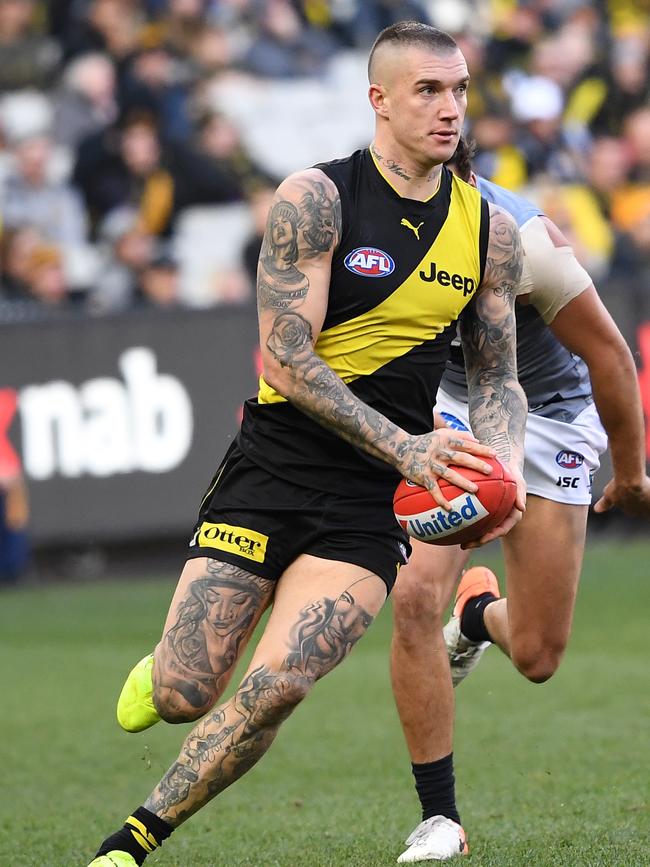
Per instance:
{"type": "Point", "coordinates": [471, 515]}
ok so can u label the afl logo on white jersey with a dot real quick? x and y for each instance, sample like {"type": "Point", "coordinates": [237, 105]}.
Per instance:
{"type": "Point", "coordinates": [369, 262]}
{"type": "Point", "coordinates": [569, 460]}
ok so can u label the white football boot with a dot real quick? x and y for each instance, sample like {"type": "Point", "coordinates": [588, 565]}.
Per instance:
{"type": "Point", "coordinates": [465, 655]}
{"type": "Point", "coordinates": [436, 839]}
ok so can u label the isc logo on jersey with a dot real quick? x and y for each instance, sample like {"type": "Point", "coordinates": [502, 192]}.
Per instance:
{"type": "Point", "coordinates": [430, 526]}
{"type": "Point", "coordinates": [369, 262]}
{"type": "Point", "coordinates": [569, 460]}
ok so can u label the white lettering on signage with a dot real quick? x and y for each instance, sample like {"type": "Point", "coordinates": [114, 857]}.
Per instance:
{"type": "Point", "coordinates": [107, 426]}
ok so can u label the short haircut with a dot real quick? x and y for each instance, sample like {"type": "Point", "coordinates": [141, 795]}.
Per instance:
{"type": "Point", "coordinates": [413, 33]}
{"type": "Point", "coordinates": [463, 158]}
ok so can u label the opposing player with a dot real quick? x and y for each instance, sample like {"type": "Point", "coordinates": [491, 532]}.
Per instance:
{"type": "Point", "coordinates": [564, 337]}
{"type": "Point", "coordinates": [366, 265]}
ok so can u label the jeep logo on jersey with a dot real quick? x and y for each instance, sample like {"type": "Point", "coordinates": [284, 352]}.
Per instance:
{"type": "Point", "coordinates": [369, 262]}
{"type": "Point", "coordinates": [569, 460]}
{"type": "Point", "coordinates": [429, 526]}
{"type": "Point", "coordinates": [444, 278]}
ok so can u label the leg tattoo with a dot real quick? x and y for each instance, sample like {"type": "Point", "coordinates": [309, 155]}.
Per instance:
{"type": "Point", "coordinates": [233, 737]}
{"type": "Point", "coordinates": [199, 651]}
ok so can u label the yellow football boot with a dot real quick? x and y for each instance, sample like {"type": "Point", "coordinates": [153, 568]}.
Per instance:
{"type": "Point", "coordinates": [117, 858]}
{"type": "Point", "coordinates": [135, 708]}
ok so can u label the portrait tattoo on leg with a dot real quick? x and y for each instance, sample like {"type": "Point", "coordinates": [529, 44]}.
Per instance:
{"type": "Point", "coordinates": [217, 614]}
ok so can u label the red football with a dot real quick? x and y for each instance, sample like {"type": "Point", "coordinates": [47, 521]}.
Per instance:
{"type": "Point", "coordinates": [471, 515]}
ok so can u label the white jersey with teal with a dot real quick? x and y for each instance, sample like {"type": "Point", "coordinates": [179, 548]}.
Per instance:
{"type": "Point", "coordinates": [556, 381]}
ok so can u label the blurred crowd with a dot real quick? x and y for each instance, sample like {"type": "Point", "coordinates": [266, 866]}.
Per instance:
{"type": "Point", "coordinates": [126, 181]}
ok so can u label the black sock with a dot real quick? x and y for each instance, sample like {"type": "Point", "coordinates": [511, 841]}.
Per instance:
{"type": "Point", "coordinates": [435, 785]}
{"type": "Point", "coordinates": [141, 833]}
{"type": "Point", "coordinates": [472, 624]}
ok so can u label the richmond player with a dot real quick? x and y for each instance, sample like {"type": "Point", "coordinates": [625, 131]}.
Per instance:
{"type": "Point", "coordinates": [366, 265]}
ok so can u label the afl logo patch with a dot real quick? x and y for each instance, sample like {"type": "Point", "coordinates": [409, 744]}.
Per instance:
{"type": "Point", "coordinates": [369, 262]}
{"type": "Point", "coordinates": [569, 460]}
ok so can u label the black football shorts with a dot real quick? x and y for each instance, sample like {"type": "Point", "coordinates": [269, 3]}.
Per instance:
{"type": "Point", "coordinates": [261, 523]}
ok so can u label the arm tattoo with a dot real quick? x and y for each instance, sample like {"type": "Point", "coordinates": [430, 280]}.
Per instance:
{"type": "Point", "coordinates": [323, 396]}
{"type": "Point", "coordinates": [293, 232]}
{"type": "Point", "coordinates": [320, 220]}
{"type": "Point", "coordinates": [296, 234]}
{"type": "Point", "coordinates": [497, 404]}
{"type": "Point", "coordinates": [280, 284]}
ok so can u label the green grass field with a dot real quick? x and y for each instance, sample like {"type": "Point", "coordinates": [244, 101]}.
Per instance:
{"type": "Point", "coordinates": [546, 775]}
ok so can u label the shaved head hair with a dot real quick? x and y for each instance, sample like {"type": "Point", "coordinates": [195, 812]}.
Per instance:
{"type": "Point", "coordinates": [407, 33]}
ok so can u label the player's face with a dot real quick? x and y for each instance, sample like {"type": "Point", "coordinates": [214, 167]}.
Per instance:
{"type": "Point", "coordinates": [427, 101]}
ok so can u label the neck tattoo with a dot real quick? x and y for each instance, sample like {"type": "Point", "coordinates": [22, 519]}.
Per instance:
{"type": "Point", "coordinates": [395, 167]}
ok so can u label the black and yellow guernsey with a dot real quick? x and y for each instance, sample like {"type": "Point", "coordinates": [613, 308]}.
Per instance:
{"type": "Point", "coordinates": [401, 275]}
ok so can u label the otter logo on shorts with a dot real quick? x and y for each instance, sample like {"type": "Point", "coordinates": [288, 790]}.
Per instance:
{"type": "Point", "coordinates": [235, 540]}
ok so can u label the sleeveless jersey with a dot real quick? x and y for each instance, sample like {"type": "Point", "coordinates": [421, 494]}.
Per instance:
{"type": "Point", "coordinates": [401, 275]}
{"type": "Point", "coordinates": [556, 382]}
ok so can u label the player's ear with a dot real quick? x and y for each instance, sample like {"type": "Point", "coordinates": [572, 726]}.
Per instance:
{"type": "Point", "coordinates": [378, 99]}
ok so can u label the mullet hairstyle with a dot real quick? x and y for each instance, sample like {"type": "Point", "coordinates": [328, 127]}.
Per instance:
{"type": "Point", "coordinates": [463, 158]}
{"type": "Point", "coordinates": [413, 33]}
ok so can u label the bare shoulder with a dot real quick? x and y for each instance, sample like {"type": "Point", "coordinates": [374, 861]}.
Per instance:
{"type": "Point", "coordinates": [504, 254]}
{"type": "Point", "coordinates": [308, 180]}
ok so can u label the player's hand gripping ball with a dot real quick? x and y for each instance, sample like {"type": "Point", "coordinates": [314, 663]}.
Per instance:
{"type": "Point", "coordinates": [471, 515]}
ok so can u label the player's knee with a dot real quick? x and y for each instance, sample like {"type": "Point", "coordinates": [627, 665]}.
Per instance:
{"type": "Point", "coordinates": [174, 707]}
{"type": "Point", "coordinates": [536, 661]}
{"type": "Point", "coordinates": [417, 606]}
{"type": "Point", "coordinates": [181, 701]}
{"type": "Point", "coordinates": [271, 696]}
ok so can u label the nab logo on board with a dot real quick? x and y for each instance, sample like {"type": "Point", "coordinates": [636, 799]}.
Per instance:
{"type": "Point", "coordinates": [104, 427]}
{"type": "Point", "coordinates": [369, 262]}
{"type": "Point", "coordinates": [569, 460]}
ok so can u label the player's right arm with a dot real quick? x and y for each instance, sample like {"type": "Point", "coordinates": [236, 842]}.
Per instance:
{"type": "Point", "coordinates": [303, 230]}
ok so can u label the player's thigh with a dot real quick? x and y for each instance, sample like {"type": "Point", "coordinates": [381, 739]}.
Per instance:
{"type": "Point", "coordinates": [320, 610]}
{"type": "Point", "coordinates": [425, 586]}
{"type": "Point", "coordinates": [213, 613]}
{"type": "Point", "coordinates": [543, 556]}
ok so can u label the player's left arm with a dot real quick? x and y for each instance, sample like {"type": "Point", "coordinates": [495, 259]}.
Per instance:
{"type": "Point", "coordinates": [585, 327]}
{"type": "Point", "coordinates": [488, 329]}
